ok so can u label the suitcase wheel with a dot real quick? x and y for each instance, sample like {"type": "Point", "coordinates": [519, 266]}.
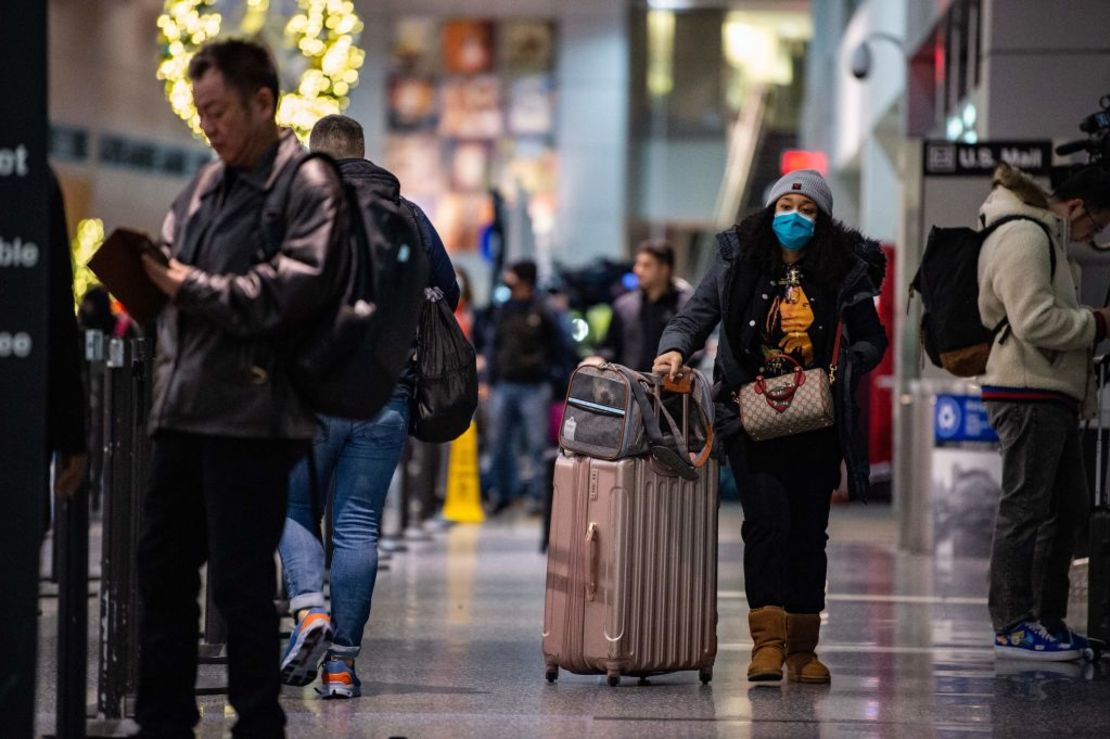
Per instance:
{"type": "Point", "coordinates": [614, 679]}
{"type": "Point", "coordinates": [552, 675]}
{"type": "Point", "coordinates": [705, 675]}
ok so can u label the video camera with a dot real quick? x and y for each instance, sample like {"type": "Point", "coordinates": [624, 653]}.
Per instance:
{"type": "Point", "coordinates": [1097, 143]}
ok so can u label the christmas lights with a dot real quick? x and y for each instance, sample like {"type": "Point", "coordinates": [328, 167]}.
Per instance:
{"type": "Point", "coordinates": [322, 34]}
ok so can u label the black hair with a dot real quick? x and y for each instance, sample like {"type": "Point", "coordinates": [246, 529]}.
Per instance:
{"type": "Point", "coordinates": [830, 250]}
{"type": "Point", "coordinates": [525, 271]}
{"type": "Point", "coordinates": [658, 248]}
{"type": "Point", "coordinates": [1090, 184]}
{"type": "Point", "coordinates": [247, 66]}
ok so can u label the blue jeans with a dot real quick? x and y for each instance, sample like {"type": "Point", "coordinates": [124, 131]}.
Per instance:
{"type": "Point", "coordinates": [361, 455]}
{"type": "Point", "coordinates": [518, 414]}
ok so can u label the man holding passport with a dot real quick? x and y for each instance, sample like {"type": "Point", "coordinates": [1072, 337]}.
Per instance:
{"type": "Point", "coordinates": [227, 425]}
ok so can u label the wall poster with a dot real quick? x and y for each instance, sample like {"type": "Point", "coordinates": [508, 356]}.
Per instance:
{"type": "Point", "coordinates": [472, 106]}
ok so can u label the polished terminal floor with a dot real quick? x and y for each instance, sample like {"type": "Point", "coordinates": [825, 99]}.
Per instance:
{"type": "Point", "coordinates": [453, 650]}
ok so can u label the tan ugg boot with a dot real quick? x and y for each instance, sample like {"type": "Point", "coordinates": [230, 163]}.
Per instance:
{"type": "Point", "coordinates": [768, 627]}
{"type": "Point", "coordinates": [802, 665]}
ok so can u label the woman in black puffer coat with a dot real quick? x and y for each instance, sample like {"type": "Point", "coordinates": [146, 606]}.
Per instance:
{"type": "Point", "coordinates": [782, 281]}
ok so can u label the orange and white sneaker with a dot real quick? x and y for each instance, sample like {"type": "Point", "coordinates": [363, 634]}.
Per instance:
{"type": "Point", "coordinates": [308, 644]}
{"type": "Point", "coordinates": [340, 680]}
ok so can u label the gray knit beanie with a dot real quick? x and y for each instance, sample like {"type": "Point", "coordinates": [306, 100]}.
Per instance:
{"type": "Point", "coordinates": [808, 182]}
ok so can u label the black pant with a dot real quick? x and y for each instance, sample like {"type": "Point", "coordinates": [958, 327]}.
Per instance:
{"type": "Point", "coordinates": [222, 500]}
{"type": "Point", "coordinates": [786, 488]}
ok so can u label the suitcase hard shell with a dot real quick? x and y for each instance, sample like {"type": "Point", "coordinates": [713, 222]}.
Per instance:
{"type": "Point", "coordinates": [631, 570]}
{"type": "Point", "coordinates": [1089, 586]}
{"type": "Point", "coordinates": [1098, 568]}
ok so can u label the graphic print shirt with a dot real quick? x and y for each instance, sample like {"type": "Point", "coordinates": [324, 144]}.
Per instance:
{"type": "Point", "coordinates": [787, 326]}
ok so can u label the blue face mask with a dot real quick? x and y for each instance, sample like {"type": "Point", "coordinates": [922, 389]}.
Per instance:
{"type": "Point", "coordinates": [793, 230]}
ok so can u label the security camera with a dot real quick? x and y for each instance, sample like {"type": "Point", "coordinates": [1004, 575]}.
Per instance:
{"type": "Point", "coordinates": [861, 61]}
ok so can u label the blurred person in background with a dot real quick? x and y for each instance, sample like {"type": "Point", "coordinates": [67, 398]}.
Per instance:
{"type": "Point", "coordinates": [640, 316]}
{"type": "Point", "coordinates": [98, 313]}
{"type": "Point", "coordinates": [361, 457]}
{"type": "Point", "coordinates": [783, 280]}
{"type": "Point", "coordinates": [526, 350]}
{"type": "Point", "coordinates": [464, 313]}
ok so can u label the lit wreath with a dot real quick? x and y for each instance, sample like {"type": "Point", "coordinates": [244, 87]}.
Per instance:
{"type": "Point", "coordinates": [321, 36]}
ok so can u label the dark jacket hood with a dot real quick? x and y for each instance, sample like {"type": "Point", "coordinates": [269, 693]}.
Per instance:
{"type": "Point", "coordinates": [380, 179]}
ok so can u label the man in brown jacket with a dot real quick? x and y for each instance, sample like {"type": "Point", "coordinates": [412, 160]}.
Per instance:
{"type": "Point", "coordinates": [227, 425]}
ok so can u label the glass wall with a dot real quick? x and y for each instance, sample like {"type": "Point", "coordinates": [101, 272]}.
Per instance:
{"type": "Point", "coordinates": [715, 101]}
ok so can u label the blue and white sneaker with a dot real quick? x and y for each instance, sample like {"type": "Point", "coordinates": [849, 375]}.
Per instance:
{"type": "Point", "coordinates": [1066, 636]}
{"type": "Point", "coordinates": [1032, 641]}
{"type": "Point", "coordinates": [308, 644]}
{"type": "Point", "coordinates": [340, 679]}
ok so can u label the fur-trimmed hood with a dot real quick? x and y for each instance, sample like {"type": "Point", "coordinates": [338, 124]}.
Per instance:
{"type": "Point", "coordinates": [871, 252]}
{"type": "Point", "coordinates": [1014, 193]}
{"type": "Point", "coordinates": [1024, 187]}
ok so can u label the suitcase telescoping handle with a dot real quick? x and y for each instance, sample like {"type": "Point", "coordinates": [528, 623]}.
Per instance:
{"type": "Point", "coordinates": [684, 384]}
{"type": "Point", "coordinates": [1100, 472]}
{"type": "Point", "coordinates": [592, 556]}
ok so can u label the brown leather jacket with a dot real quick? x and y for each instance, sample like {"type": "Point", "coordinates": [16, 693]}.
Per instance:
{"type": "Point", "coordinates": [218, 367]}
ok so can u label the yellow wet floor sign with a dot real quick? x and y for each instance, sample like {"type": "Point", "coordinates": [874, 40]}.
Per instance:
{"type": "Point", "coordinates": [464, 493]}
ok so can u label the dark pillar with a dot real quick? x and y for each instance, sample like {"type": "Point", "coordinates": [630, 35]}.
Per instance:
{"type": "Point", "coordinates": [23, 345]}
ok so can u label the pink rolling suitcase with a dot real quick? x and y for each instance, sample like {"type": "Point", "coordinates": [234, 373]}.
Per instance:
{"type": "Point", "coordinates": [631, 568]}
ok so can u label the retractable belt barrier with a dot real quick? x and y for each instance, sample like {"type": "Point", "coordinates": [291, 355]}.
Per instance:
{"type": "Point", "coordinates": [124, 467]}
{"type": "Point", "coordinates": [119, 375]}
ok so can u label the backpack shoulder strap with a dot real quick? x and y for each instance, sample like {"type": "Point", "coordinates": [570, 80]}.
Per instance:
{"type": "Point", "coordinates": [1010, 219]}
{"type": "Point", "coordinates": [272, 218]}
{"type": "Point", "coordinates": [1003, 326]}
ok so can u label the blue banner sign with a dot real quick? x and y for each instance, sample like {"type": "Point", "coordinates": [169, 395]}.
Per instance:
{"type": "Point", "coordinates": [958, 418]}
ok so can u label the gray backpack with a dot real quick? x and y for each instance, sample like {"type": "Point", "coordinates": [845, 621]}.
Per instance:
{"type": "Point", "coordinates": [613, 412]}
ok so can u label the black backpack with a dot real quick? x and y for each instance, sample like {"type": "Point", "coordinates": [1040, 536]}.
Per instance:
{"type": "Point", "coordinates": [347, 363]}
{"type": "Point", "coordinates": [446, 392]}
{"type": "Point", "coordinates": [952, 330]}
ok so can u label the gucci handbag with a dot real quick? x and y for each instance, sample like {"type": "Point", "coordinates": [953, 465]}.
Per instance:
{"type": "Point", "coordinates": [793, 403]}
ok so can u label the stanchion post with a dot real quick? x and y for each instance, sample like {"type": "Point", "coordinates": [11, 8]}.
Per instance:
{"type": "Point", "coordinates": [71, 528]}
{"type": "Point", "coordinates": [215, 628]}
{"type": "Point", "coordinates": [95, 355]}
{"type": "Point", "coordinates": [413, 482]}
{"type": "Point", "coordinates": [393, 527]}
{"type": "Point", "coordinates": [117, 623]}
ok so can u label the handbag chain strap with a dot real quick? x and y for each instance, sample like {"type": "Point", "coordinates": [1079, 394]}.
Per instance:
{"type": "Point", "coordinates": [835, 351]}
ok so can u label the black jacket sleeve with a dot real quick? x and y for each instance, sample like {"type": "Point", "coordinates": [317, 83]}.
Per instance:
{"type": "Point", "coordinates": [865, 331]}
{"type": "Point", "coordinates": [688, 331]}
{"type": "Point", "coordinates": [441, 273]}
{"type": "Point", "coordinates": [66, 401]}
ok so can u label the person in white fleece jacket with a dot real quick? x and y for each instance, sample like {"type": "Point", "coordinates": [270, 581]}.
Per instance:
{"type": "Point", "coordinates": [1038, 378]}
